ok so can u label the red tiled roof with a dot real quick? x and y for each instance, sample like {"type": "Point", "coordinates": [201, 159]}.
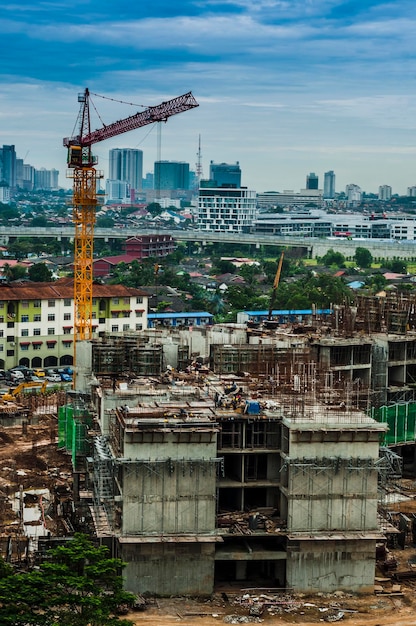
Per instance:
{"type": "Point", "coordinates": [63, 288]}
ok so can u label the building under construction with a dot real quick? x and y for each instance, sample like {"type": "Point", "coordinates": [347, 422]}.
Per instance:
{"type": "Point", "coordinates": [243, 455]}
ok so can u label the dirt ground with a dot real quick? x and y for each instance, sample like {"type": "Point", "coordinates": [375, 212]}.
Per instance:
{"type": "Point", "coordinates": [370, 610]}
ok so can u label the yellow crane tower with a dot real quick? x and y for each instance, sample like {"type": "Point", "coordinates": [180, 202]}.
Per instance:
{"type": "Point", "coordinates": [81, 163]}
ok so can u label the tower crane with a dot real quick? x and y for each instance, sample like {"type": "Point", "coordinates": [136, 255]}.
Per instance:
{"type": "Point", "coordinates": [81, 163]}
{"type": "Point", "coordinates": [274, 289]}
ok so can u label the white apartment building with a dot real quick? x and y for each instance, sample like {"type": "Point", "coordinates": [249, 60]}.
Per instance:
{"type": "Point", "coordinates": [384, 192]}
{"type": "Point", "coordinates": [226, 209]}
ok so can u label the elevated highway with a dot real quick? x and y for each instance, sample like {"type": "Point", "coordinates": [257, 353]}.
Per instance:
{"type": "Point", "coordinates": [314, 247]}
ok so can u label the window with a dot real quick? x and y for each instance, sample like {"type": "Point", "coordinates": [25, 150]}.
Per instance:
{"type": "Point", "coordinates": [10, 338]}
{"type": "Point", "coordinates": [10, 352]}
{"type": "Point", "coordinates": [139, 313]}
{"type": "Point", "coordinates": [94, 301]}
{"type": "Point", "coordinates": [116, 300]}
{"type": "Point", "coordinates": [1, 318]}
{"type": "Point", "coordinates": [114, 329]}
{"type": "Point", "coordinates": [94, 315]}
{"type": "Point", "coordinates": [67, 316]}
{"type": "Point", "coordinates": [51, 331]}
{"type": "Point", "coordinates": [36, 304]}
{"type": "Point", "coordinates": [24, 347]}
{"type": "Point", "coordinates": [25, 332]}
{"type": "Point", "coordinates": [36, 331]}
{"type": "Point", "coordinates": [66, 344]}
{"type": "Point", "coordinates": [139, 300]}
{"type": "Point", "coordinates": [51, 303]}
{"type": "Point", "coordinates": [1, 348]}
{"type": "Point", "coordinates": [126, 326]}
{"type": "Point", "coordinates": [50, 345]}
{"type": "Point", "coordinates": [126, 300]}
{"type": "Point", "coordinates": [1, 305]}
{"type": "Point", "coordinates": [51, 317]}
{"type": "Point", "coordinates": [139, 326]}
{"type": "Point", "coordinates": [67, 301]}
{"type": "Point", "coordinates": [36, 346]}
{"type": "Point", "coordinates": [67, 331]}
{"type": "Point", "coordinates": [25, 304]}
{"type": "Point", "coordinates": [24, 318]}
{"type": "Point", "coordinates": [37, 317]}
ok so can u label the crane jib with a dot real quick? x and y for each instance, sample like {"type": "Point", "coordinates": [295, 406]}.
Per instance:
{"type": "Point", "coordinates": [159, 113]}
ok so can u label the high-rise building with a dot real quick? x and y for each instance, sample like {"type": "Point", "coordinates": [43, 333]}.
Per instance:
{"type": "Point", "coordinates": [171, 175]}
{"type": "Point", "coordinates": [225, 174]}
{"type": "Point", "coordinates": [28, 177]}
{"type": "Point", "coordinates": [353, 193]}
{"type": "Point", "coordinates": [384, 192]}
{"type": "Point", "coordinates": [312, 181]}
{"type": "Point", "coordinates": [411, 191]}
{"type": "Point", "coordinates": [126, 164]}
{"type": "Point", "coordinates": [46, 179]}
{"type": "Point", "coordinates": [117, 192]}
{"type": "Point", "coordinates": [8, 165]}
{"type": "Point", "coordinates": [329, 184]}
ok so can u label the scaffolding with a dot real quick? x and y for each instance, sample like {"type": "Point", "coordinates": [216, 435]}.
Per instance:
{"type": "Point", "coordinates": [116, 356]}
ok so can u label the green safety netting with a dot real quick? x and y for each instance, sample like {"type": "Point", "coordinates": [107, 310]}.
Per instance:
{"type": "Point", "coordinates": [73, 426]}
{"type": "Point", "coordinates": [401, 420]}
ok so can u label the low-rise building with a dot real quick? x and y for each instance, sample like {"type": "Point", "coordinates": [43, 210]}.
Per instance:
{"type": "Point", "coordinates": [37, 320]}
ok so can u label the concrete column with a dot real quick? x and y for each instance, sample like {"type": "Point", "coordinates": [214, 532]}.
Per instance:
{"type": "Point", "coordinates": [240, 570]}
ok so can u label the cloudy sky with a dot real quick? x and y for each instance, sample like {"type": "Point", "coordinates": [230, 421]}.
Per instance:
{"type": "Point", "coordinates": [285, 87]}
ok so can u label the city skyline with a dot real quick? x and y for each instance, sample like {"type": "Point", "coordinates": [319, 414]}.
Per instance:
{"type": "Point", "coordinates": [284, 88]}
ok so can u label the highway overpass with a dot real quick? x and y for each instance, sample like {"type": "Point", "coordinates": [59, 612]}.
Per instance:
{"type": "Point", "coordinates": [387, 249]}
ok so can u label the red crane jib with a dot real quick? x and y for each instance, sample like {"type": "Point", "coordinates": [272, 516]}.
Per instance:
{"type": "Point", "coordinates": [159, 113]}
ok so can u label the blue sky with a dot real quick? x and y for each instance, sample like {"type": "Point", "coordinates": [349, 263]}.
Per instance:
{"type": "Point", "coordinates": [285, 87]}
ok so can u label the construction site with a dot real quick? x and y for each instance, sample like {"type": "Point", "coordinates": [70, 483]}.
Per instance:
{"type": "Point", "coordinates": [227, 457]}
{"type": "Point", "coordinates": [261, 461]}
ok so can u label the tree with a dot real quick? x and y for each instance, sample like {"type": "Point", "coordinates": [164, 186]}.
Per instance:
{"type": "Point", "coordinates": [39, 273]}
{"type": "Point", "coordinates": [105, 221]}
{"type": "Point", "coordinates": [333, 258]}
{"type": "Point", "coordinates": [363, 257]}
{"type": "Point", "coordinates": [39, 220]}
{"type": "Point", "coordinates": [398, 266]}
{"type": "Point", "coordinates": [14, 272]}
{"type": "Point", "coordinates": [79, 586]}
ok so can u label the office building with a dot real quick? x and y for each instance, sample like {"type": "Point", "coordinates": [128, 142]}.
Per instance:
{"type": "Point", "coordinates": [126, 164]}
{"type": "Point", "coordinates": [117, 192]}
{"type": "Point", "coordinates": [225, 174]}
{"type": "Point", "coordinates": [329, 184]}
{"type": "Point", "coordinates": [312, 181]}
{"type": "Point", "coordinates": [411, 191]}
{"type": "Point", "coordinates": [8, 165]}
{"type": "Point", "coordinates": [171, 175]}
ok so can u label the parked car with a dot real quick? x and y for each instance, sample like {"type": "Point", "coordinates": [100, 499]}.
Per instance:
{"type": "Point", "coordinates": [15, 375]}
{"type": "Point", "coordinates": [54, 378]}
{"type": "Point", "coordinates": [38, 372]}
{"type": "Point", "coordinates": [66, 378]}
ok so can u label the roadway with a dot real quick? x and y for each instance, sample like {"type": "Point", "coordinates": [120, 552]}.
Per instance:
{"type": "Point", "coordinates": [387, 249]}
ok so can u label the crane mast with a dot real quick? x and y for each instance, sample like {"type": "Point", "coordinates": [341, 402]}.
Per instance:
{"type": "Point", "coordinates": [81, 164]}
